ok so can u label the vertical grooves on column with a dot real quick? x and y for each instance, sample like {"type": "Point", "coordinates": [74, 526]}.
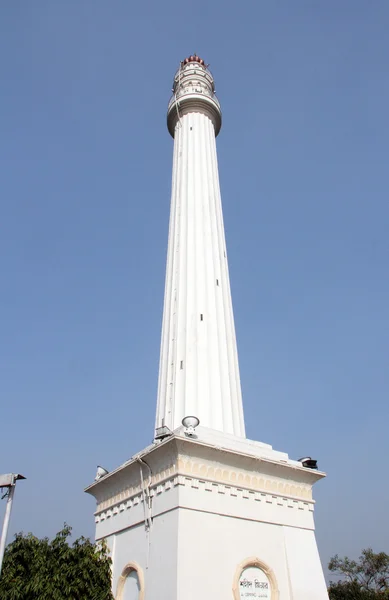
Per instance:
{"type": "Point", "coordinates": [208, 266]}
{"type": "Point", "coordinates": [199, 370]}
{"type": "Point", "coordinates": [180, 374]}
{"type": "Point", "coordinates": [206, 328]}
{"type": "Point", "coordinates": [166, 321]}
{"type": "Point", "coordinates": [199, 308]}
{"type": "Point", "coordinates": [181, 393]}
{"type": "Point", "coordinates": [218, 387]}
{"type": "Point", "coordinates": [190, 386]}
{"type": "Point", "coordinates": [194, 317]}
{"type": "Point", "coordinates": [233, 371]}
{"type": "Point", "coordinates": [200, 274]}
{"type": "Point", "coordinates": [228, 333]}
{"type": "Point", "coordinates": [171, 366]}
{"type": "Point", "coordinates": [222, 381]}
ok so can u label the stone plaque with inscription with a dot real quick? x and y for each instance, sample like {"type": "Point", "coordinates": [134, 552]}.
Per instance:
{"type": "Point", "coordinates": [253, 584]}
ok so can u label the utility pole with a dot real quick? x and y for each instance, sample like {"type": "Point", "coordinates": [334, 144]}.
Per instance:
{"type": "Point", "coordinates": [7, 481]}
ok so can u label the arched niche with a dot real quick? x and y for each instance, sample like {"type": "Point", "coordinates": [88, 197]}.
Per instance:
{"type": "Point", "coordinates": [131, 584]}
{"type": "Point", "coordinates": [253, 576]}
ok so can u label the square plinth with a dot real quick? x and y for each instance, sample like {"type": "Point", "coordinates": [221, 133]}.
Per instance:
{"type": "Point", "coordinates": [210, 517]}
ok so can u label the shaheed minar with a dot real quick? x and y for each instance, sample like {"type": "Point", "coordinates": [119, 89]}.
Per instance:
{"type": "Point", "coordinates": [204, 513]}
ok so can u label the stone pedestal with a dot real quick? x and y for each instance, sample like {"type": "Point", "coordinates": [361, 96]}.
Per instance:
{"type": "Point", "coordinates": [211, 518]}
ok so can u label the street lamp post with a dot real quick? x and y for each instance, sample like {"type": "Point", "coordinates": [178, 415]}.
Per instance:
{"type": "Point", "coordinates": [7, 481]}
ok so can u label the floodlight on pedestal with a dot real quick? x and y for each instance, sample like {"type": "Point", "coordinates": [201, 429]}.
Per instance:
{"type": "Point", "coordinates": [190, 423]}
{"type": "Point", "coordinates": [308, 462]}
{"type": "Point", "coordinates": [101, 472]}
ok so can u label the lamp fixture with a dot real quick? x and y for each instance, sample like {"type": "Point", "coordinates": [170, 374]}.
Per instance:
{"type": "Point", "coordinates": [190, 423]}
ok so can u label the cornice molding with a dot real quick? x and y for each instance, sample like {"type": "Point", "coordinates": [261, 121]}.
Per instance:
{"type": "Point", "coordinates": [201, 471]}
{"type": "Point", "coordinates": [266, 491]}
{"type": "Point", "coordinates": [193, 103]}
{"type": "Point", "coordinates": [216, 461]}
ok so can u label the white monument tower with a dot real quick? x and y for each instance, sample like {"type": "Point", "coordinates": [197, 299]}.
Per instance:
{"type": "Point", "coordinates": [199, 372]}
{"type": "Point", "coordinates": [204, 512]}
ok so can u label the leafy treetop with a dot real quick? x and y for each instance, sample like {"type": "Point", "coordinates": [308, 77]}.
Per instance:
{"type": "Point", "coordinates": [39, 569]}
{"type": "Point", "coordinates": [365, 579]}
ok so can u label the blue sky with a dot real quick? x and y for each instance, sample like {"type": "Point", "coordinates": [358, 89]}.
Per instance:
{"type": "Point", "coordinates": [85, 189]}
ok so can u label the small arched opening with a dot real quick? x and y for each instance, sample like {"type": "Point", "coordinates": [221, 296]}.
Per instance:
{"type": "Point", "coordinates": [131, 583]}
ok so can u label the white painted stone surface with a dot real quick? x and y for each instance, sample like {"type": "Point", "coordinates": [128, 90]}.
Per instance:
{"type": "Point", "coordinates": [212, 508]}
{"type": "Point", "coordinates": [131, 587]}
{"type": "Point", "coordinates": [199, 371]}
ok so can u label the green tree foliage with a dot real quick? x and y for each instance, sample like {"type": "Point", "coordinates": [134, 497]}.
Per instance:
{"type": "Point", "coordinates": [365, 579]}
{"type": "Point", "coordinates": [40, 569]}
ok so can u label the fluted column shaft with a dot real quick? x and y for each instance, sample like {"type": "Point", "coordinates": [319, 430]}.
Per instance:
{"type": "Point", "coordinates": [199, 372]}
